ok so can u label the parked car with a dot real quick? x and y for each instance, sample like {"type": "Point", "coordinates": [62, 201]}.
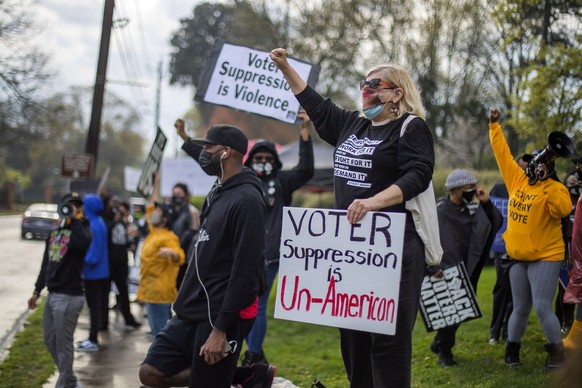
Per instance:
{"type": "Point", "coordinates": [39, 220]}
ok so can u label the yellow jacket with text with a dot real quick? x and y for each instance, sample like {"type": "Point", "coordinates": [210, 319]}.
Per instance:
{"type": "Point", "coordinates": [157, 275]}
{"type": "Point", "coordinates": [534, 213]}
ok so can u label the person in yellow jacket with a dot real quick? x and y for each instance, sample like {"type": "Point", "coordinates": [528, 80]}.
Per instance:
{"type": "Point", "coordinates": [534, 242]}
{"type": "Point", "coordinates": [161, 257]}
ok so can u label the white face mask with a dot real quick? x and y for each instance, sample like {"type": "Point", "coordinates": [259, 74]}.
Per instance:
{"type": "Point", "coordinates": [263, 169]}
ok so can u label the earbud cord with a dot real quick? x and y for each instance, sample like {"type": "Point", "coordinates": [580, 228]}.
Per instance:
{"type": "Point", "coordinates": [195, 253]}
{"type": "Point", "coordinates": [232, 343]}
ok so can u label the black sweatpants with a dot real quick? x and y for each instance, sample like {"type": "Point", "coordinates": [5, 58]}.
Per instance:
{"type": "Point", "coordinates": [379, 360]}
{"type": "Point", "coordinates": [177, 347]}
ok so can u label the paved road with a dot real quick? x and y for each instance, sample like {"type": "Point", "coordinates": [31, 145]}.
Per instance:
{"type": "Point", "coordinates": [19, 265]}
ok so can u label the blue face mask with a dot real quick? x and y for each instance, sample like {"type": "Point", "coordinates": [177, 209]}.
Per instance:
{"type": "Point", "coordinates": [373, 112]}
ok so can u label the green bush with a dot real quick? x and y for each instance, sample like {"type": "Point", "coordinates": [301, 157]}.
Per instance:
{"type": "Point", "coordinates": [310, 199]}
{"type": "Point", "coordinates": [197, 201]}
{"type": "Point", "coordinates": [325, 199]}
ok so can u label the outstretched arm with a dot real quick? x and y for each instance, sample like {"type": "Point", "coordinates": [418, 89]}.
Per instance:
{"type": "Point", "coordinates": [191, 148]}
{"type": "Point", "coordinates": [181, 129]}
{"type": "Point", "coordinates": [296, 83]}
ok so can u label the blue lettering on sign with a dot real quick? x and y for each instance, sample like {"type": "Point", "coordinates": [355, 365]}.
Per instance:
{"type": "Point", "coordinates": [499, 244]}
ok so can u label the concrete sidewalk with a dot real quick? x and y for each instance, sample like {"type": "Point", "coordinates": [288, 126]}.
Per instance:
{"type": "Point", "coordinates": [123, 349]}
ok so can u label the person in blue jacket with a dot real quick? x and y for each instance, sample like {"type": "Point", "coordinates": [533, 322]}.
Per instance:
{"type": "Point", "coordinates": [95, 271]}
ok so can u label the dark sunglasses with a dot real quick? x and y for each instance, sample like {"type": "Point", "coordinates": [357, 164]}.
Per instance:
{"type": "Point", "coordinates": [374, 83]}
{"type": "Point", "coordinates": [260, 159]}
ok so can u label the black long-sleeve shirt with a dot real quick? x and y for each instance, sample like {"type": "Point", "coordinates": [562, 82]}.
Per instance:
{"type": "Point", "coordinates": [62, 264]}
{"type": "Point", "coordinates": [369, 158]}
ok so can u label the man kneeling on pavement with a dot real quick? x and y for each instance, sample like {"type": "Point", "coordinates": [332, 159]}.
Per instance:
{"type": "Point", "coordinates": [218, 300]}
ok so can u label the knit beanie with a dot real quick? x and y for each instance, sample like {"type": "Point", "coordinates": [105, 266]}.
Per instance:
{"type": "Point", "coordinates": [460, 178]}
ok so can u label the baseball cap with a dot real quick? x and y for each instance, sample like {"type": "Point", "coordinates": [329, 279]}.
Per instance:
{"type": "Point", "coordinates": [72, 197]}
{"type": "Point", "coordinates": [226, 135]}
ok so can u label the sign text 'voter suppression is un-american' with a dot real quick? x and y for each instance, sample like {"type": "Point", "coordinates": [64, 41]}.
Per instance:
{"type": "Point", "coordinates": [337, 274]}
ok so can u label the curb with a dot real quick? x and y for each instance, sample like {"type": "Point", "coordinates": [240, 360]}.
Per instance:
{"type": "Point", "coordinates": [6, 341]}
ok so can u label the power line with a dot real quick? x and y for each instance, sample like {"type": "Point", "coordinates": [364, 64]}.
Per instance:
{"type": "Point", "coordinates": [142, 35]}
{"type": "Point", "coordinates": [129, 59]}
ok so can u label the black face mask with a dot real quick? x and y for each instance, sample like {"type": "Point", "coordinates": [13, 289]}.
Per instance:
{"type": "Point", "coordinates": [209, 164]}
{"type": "Point", "coordinates": [178, 201]}
{"type": "Point", "coordinates": [468, 195]}
{"type": "Point", "coordinates": [575, 192]}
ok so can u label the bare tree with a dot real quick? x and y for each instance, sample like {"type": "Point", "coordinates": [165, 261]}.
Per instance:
{"type": "Point", "coordinates": [22, 74]}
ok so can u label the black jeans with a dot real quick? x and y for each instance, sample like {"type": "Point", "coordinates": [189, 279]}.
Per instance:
{"type": "Point", "coordinates": [118, 272]}
{"type": "Point", "coordinates": [502, 303]}
{"type": "Point", "coordinates": [445, 338]}
{"type": "Point", "coordinates": [379, 360]}
{"type": "Point", "coordinates": [94, 290]}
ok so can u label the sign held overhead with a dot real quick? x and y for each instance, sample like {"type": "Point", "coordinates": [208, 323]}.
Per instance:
{"type": "Point", "coordinates": [246, 79]}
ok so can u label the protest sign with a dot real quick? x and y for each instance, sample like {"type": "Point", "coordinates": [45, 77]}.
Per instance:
{"type": "Point", "coordinates": [336, 274]}
{"type": "Point", "coordinates": [246, 79]}
{"type": "Point", "coordinates": [498, 243]}
{"type": "Point", "coordinates": [152, 165]}
{"type": "Point", "coordinates": [188, 171]}
{"type": "Point", "coordinates": [449, 300]}
{"type": "Point", "coordinates": [131, 177]}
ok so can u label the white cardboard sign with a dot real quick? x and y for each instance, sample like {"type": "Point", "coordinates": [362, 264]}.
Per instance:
{"type": "Point", "coordinates": [336, 274]}
{"type": "Point", "coordinates": [246, 79]}
{"type": "Point", "coordinates": [187, 171]}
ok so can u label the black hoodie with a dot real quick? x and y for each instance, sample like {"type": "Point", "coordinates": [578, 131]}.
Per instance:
{"type": "Point", "coordinates": [278, 188]}
{"type": "Point", "coordinates": [229, 253]}
{"type": "Point", "coordinates": [64, 255]}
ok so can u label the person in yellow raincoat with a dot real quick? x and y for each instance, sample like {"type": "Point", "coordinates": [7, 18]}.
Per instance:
{"type": "Point", "coordinates": [161, 257]}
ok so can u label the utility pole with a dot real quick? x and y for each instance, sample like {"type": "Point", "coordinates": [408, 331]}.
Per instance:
{"type": "Point", "coordinates": [92, 146]}
{"type": "Point", "coordinates": [158, 97]}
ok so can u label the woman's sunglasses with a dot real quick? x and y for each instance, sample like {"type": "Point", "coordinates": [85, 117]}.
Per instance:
{"type": "Point", "coordinates": [374, 83]}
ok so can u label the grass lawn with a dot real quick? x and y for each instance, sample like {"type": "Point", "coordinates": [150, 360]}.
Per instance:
{"type": "Point", "coordinates": [303, 352]}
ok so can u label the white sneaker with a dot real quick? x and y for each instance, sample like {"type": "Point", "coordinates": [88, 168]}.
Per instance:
{"type": "Point", "coordinates": [88, 346]}
{"type": "Point", "coordinates": [80, 342]}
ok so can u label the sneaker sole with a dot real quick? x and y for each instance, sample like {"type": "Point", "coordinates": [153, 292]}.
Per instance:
{"type": "Point", "coordinates": [87, 350]}
{"type": "Point", "coordinates": [513, 364]}
{"type": "Point", "coordinates": [270, 376]}
{"type": "Point", "coordinates": [552, 368]}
